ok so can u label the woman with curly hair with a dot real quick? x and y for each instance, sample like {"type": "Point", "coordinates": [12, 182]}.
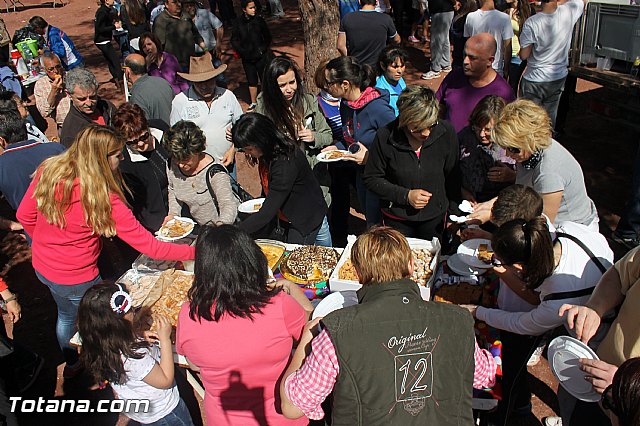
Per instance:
{"type": "Point", "coordinates": [189, 169]}
{"type": "Point", "coordinates": [249, 323]}
{"type": "Point", "coordinates": [524, 131]}
{"type": "Point", "coordinates": [75, 199]}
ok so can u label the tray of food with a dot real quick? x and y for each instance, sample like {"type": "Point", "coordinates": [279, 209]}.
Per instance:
{"type": "Point", "coordinates": [139, 284]}
{"type": "Point", "coordinates": [176, 228]}
{"type": "Point", "coordinates": [464, 294]}
{"type": "Point", "coordinates": [273, 250]}
{"type": "Point", "coordinates": [169, 293]}
{"type": "Point", "coordinates": [309, 264]}
{"type": "Point", "coordinates": [426, 255]}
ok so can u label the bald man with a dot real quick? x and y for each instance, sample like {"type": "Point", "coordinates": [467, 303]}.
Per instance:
{"type": "Point", "coordinates": [153, 94]}
{"type": "Point", "coordinates": [462, 89]}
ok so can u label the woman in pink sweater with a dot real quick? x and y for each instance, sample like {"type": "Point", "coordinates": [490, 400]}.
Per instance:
{"type": "Point", "coordinates": [75, 199]}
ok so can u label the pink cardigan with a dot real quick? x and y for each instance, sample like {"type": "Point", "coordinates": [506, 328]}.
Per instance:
{"type": "Point", "coordinates": [69, 255]}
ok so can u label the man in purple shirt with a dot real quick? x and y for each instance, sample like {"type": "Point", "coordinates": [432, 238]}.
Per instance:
{"type": "Point", "coordinates": [462, 89]}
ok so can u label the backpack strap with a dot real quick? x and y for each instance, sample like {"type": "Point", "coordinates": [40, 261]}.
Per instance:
{"type": "Point", "coordinates": [582, 292]}
{"type": "Point", "coordinates": [586, 249]}
{"type": "Point", "coordinates": [211, 172]}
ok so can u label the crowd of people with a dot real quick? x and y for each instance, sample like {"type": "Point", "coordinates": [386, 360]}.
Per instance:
{"type": "Point", "coordinates": [410, 155]}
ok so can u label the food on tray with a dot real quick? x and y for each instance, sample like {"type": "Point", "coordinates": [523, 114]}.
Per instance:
{"type": "Point", "coordinates": [174, 294]}
{"type": "Point", "coordinates": [272, 252]}
{"type": "Point", "coordinates": [310, 264]}
{"type": "Point", "coordinates": [333, 155]}
{"type": "Point", "coordinates": [465, 294]}
{"type": "Point", "coordinates": [422, 267]}
{"type": "Point", "coordinates": [484, 254]}
{"type": "Point", "coordinates": [348, 271]}
{"type": "Point", "coordinates": [460, 294]}
{"type": "Point", "coordinates": [257, 206]}
{"type": "Point", "coordinates": [176, 228]}
{"type": "Point", "coordinates": [139, 286]}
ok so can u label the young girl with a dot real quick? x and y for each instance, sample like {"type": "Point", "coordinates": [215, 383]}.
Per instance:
{"type": "Point", "coordinates": [363, 110]}
{"type": "Point", "coordinates": [297, 115]}
{"type": "Point", "coordinates": [136, 369]}
{"type": "Point", "coordinates": [251, 40]}
{"type": "Point", "coordinates": [391, 66]}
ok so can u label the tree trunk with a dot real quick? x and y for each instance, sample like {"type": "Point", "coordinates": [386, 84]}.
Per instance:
{"type": "Point", "coordinates": [320, 23]}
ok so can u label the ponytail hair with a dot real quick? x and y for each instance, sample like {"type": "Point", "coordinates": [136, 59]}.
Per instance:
{"type": "Point", "coordinates": [348, 68]}
{"type": "Point", "coordinates": [528, 243]}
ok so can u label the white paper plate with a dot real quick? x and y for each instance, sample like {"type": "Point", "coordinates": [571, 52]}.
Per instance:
{"type": "Point", "coordinates": [458, 219]}
{"type": "Point", "coordinates": [456, 265]}
{"type": "Point", "coordinates": [322, 157]}
{"type": "Point", "coordinates": [468, 252]}
{"type": "Point", "coordinates": [335, 301]}
{"type": "Point", "coordinates": [466, 206]}
{"type": "Point", "coordinates": [564, 359]}
{"type": "Point", "coordinates": [175, 219]}
{"type": "Point", "coordinates": [251, 206]}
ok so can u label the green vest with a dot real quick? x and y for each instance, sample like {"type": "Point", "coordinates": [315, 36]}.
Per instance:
{"type": "Point", "coordinates": [403, 361]}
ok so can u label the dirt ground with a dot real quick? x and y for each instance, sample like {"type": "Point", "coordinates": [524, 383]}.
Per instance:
{"type": "Point", "coordinates": [601, 131]}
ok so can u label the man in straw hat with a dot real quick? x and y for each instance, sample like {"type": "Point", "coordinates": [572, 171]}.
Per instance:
{"type": "Point", "coordinates": [212, 108]}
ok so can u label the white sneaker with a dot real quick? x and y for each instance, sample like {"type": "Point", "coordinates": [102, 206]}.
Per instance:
{"type": "Point", "coordinates": [553, 421]}
{"type": "Point", "coordinates": [446, 69]}
{"type": "Point", "coordinates": [430, 75]}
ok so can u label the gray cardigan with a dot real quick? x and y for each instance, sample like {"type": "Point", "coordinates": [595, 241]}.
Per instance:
{"type": "Point", "coordinates": [192, 191]}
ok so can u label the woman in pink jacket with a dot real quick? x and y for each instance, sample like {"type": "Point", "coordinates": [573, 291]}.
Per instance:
{"type": "Point", "coordinates": [75, 199]}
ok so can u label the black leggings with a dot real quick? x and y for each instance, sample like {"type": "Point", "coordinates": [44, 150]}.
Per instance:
{"type": "Point", "coordinates": [113, 61]}
{"type": "Point", "coordinates": [255, 69]}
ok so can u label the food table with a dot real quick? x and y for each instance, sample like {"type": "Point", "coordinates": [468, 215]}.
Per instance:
{"type": "Point", "coordinates": [323, 278]}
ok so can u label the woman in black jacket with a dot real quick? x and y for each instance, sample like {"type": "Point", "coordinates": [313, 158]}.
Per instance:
{"type": "Point", "coordinates": [144, 167]}
{"type": "Point", "coordinates": [413, 167]}
{"type": "Point", "coordinates": [294, 207]}
{"type": "Point", "coordinates": [104, 25]}
{"type": "Point", "coordinates": [251, 39]}
{"type": "Point", "coordinates": [134, 20]}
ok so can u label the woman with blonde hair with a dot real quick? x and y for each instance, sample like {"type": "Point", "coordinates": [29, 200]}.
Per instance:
{"type": "Point", "coordinates": [413, 166]}
{"type": "Point", "coordinates": [524, 130]}
{"type": "Point", "coordinates": [75, 199]}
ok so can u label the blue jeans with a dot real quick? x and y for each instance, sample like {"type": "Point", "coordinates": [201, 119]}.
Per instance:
{"type": "Point", "coordinates": [369, 201]}
{"type": "Point", "coordinates": [67, 298]}
{"type": "Point", "coordinates": [324, 236]}
{"type": "Point", "coordinates": [178, 417]}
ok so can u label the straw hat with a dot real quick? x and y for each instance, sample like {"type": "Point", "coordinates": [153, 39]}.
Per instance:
{"type": "Point", "coordinates": [201, 69]}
